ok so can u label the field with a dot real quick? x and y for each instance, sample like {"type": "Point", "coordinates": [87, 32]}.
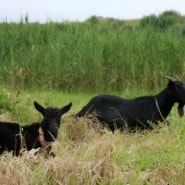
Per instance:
{"type": "Point", "coordinates": [88, 154]}
{"type": "Point", "coordinates": [58, 63]}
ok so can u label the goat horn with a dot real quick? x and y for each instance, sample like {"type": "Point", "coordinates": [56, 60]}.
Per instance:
{"type": "Point", "coordinates": [177, 77]}
{"type": "Point", "coordinates": [169, 78]}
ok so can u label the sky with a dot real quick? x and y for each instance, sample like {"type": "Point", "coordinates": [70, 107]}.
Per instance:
{"type": "Point", "coordinates": [80, 10]}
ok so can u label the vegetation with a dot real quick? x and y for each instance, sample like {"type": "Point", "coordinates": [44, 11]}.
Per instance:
{"type": "Point", "coordinates": [88, 154]}
{"type": "Point", "coordinates": [71, 61]}
{"type": "Point", "coordinates": [163, 21]}
{"type": "Point", "coordinates": [95, 55]}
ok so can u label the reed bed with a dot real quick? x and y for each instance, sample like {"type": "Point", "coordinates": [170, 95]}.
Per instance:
{"type": "Point", "coordinates": [92, 56]}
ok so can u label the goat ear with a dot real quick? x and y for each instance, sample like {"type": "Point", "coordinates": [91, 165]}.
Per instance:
{"type": "Point", "coordinates": [172, 84]}
{"type": "Point", "coordinates": [66, 108]}
{"type": "Point", "coordinates": [180, 110]}
{"type": "Point", "coordinates": [40, 108]}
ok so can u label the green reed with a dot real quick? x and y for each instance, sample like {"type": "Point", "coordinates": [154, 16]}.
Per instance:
{"type": "Point", "coordinates": [89, 56]}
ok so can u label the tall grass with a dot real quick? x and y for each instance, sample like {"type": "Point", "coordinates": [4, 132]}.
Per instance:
{"type": "Point", "coordinates": [89, 56]}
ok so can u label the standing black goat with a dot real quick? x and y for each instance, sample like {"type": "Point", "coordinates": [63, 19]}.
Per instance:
{"type": "Point", "coordinates": [140, 112]}
{"type": "Point", "coordinates": [14, 137]}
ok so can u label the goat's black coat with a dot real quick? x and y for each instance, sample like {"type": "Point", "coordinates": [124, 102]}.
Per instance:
{"type": "Point", "coordinates": [13, 135]}
{"type": "Point", "coordinates": [140, 112]}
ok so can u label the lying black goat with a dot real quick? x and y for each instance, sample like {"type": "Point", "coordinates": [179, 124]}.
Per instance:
{"type": "Point", "coordinates": [140, 112]}
{"type": "Point", "coordinates": [14, 137]}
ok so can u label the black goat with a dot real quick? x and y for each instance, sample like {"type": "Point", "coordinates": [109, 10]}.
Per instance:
{"type": "Point", "coordinates": [140, 112]}
{"type": "Point", "coordinates": [14, 137]}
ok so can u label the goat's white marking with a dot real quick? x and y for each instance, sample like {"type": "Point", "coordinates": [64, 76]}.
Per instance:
{"type": "Point", "coordinates": [34, 151]}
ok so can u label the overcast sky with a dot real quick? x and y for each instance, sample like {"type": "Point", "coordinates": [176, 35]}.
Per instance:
{"type": "Point", "coordinates": [79, 10]}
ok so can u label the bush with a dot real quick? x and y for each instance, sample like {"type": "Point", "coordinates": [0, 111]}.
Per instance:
{"type": "Point", "coordinates": [149, 21]}
{"type": "Point", "coordinates": [163, 21]}
{"type": "Point", "coordinates": [168, 19]}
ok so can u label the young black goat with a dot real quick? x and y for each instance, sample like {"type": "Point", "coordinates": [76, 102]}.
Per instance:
{"type": "Point", "coordinates": [14, 137]}
{"type": "Point", "coordinates": [139, 113]}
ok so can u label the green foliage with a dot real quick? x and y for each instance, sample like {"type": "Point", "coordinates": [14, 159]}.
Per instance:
{"type": "Point", "coordinates": [163, 21]}
{"type": "Point", "coordinates": [150, 20]}
{"type": "Point", "coordinates": [96, 55]}
{"type": "Point", "coordinates": [168, 19]}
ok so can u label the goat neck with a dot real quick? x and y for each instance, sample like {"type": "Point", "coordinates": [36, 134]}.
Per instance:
{"type": "Point", "coordinates": [164, 102]}
{"type": "Point", "coordinates": [42, 140]}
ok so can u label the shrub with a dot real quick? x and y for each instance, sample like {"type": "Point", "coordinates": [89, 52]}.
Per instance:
{"type": "Point", "coordinates": [163, 21]}
{"type": "Point", "coordinates": [149, 21]}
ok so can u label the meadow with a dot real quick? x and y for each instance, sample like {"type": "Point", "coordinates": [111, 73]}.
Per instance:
{"type": "Point", "coordinates": [58, 63]}
{"type": "Point", "coordinates": [86, 153]}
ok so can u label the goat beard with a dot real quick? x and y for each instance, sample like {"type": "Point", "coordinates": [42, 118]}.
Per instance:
{"type": "Point", "coordinates": [180, 110]}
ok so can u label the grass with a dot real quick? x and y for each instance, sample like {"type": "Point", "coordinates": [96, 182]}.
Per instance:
{"type": "Point", "coordinates": [58, 63]}
{"type": "Point", "coordinates": [89, 154]}
{"type": "Point", "coordinates": [92, 56]}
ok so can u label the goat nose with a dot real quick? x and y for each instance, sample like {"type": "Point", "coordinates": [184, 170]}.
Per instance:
{"type": "Point", "coordinates": [54, 128]}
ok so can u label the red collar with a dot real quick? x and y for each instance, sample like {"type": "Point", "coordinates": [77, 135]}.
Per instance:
{"type": "Point", "coordinates": [42, 140]}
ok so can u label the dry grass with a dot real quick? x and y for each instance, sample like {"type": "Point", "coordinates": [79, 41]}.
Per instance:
{"type": "Point", "coordinates": [86, 153]}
